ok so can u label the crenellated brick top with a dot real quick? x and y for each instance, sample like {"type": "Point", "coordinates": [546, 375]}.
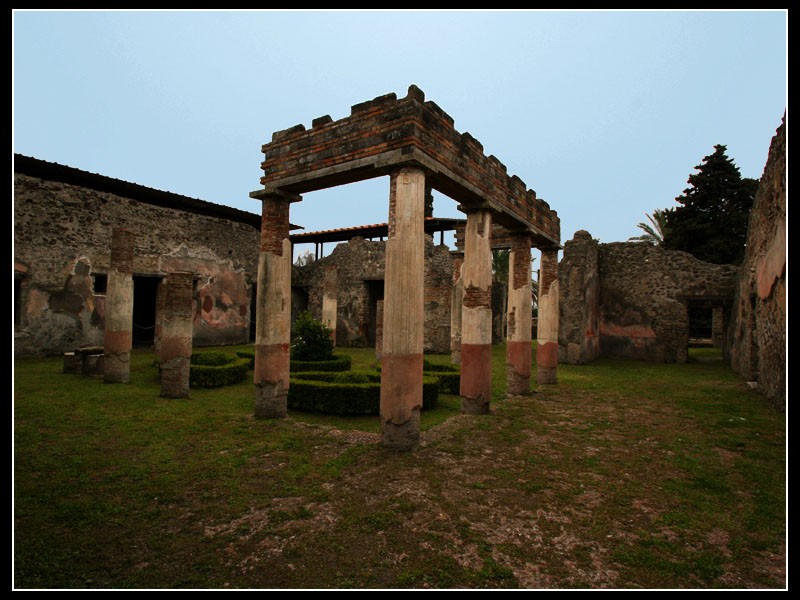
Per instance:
{"type": "Point", "coordinates": [385, 133]}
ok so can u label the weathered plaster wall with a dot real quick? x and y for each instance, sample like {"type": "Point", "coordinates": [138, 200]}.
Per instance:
{"type": "Point", "coordinates": [756, 340]}
{"type": "Point", "coordinates": [62, 235]}
{"type": "Point", "coordinates": [360, 264]}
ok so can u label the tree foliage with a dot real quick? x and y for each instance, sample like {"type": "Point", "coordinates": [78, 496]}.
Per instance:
{"type": "Point", "coordinates": [311, 340]}
{"type": "Point", "coordinates": [654, 230]}
{"type": "Point", "coordinates": [711, 221]}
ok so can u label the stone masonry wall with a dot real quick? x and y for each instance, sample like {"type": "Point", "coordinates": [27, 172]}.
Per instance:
{"type": "Point", "coordinates": [643, 294]}
{"type": "Point", "coordinates": [756, 340]}
{"type": "Point", "coordinates": [632, 297]}
{"type": "Point", "coordinates": [62, 236]}
{"type": "Point", "coordinates": [360, 261]}
{"type": "Point", "coordinates": [579, 301]}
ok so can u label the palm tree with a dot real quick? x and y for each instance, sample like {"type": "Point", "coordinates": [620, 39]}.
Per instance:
{"type": "Point", "coordinates": [655, 230]}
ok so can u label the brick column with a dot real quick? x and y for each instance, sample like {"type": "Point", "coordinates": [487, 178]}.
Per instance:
{"type": "Point", "coordinates": [518, 348]}
{"type": "Point", "coordinates": [176, 334]}
{"type": "Point", "coordinates": [476, 316]}
{"type": "Point", "coordinates": [547, 327]}
{"type": "Point", "coordinates": [118, 334]}
{"type": "Point", "coordinates": [273, 309]}
{"type": "Point", "coordinates": [403, 311]}
{"type": "Point", "coordinates": [456, 306]}
{"type": "Point", "coordinates": [330, 300]}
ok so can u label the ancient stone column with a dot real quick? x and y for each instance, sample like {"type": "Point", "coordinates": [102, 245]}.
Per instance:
{"type": "Point", "coordinates": [273, 309]}
{"type": "Point", "coordinates": [378, 328]}
{"type": "Point", "coordinates": [176, 334]}
{"type": "Point", "coordinates": [403, 311]}
{"type": "Point", "coordinates": [520, 306]}
{"type": "Point", "coordinates": [476, 316]}
{"type": "Point", "coordinates": [456, 306]}
{"type": "Point", "coordinates": [161, 297]}
{"type": "Point", "coordinates": [329, 300]}
{"type": "Point", "coordinates": [547, 327]}
{"type": "Point", "coordinates": [118, 334]}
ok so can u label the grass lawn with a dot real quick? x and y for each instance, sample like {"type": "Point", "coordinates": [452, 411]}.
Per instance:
{"type": "Point", "coordinates": [623, 475]}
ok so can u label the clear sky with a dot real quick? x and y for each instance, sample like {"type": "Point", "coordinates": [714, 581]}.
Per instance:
{"type": "Point", "coordinates": [604, 114]}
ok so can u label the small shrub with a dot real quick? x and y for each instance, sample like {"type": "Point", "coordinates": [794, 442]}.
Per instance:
{"type": "Point", "coordinates": [311, 340]}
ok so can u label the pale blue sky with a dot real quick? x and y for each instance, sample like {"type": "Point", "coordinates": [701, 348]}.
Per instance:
{"type": "Point", "coordinates": [604, 114]}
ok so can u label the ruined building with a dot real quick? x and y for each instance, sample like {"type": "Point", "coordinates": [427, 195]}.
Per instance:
{"type": "Point", "coordinates": [756, 335]}
{"type": "Point", "coordinates": [63, 220]}
{"type": "Point", "coordinates": [634, 300]}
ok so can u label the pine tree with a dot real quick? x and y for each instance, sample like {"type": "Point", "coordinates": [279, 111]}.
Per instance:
{"type": "Point", "coordinates": [711, 223]}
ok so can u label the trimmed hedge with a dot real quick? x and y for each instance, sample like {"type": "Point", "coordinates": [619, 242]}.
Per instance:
{"type": "Point", "coordinates": [449, 376]}
{"type": "Point", "coordinates": [340, 362]}
{"type": "Point", "coordinates": [325, 395]}
{"type": "Point", "coordinates": [208, 369]}
{"type": "Point", "coordinates": [250, 356]}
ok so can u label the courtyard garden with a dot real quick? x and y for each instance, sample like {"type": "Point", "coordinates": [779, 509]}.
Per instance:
{"type": "Point", "coordinates": [624, 475]}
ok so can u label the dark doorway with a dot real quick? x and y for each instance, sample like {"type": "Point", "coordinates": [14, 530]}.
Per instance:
{"type": "Point", "coordinates": [299, 302]}
{"type": "Point", "coordinates": [700, 320]}
{"type": "Point", "coordinates": [253, 313]}
{"type": "Point", "coordinates": [145, 289]}
{"type": "Point", "coordinates": [374, 293]}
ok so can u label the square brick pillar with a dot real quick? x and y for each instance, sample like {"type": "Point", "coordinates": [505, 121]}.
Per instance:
{"type": "Point", "coordinates": [403, 311]}
{"type": "Point", "coordinates": [118, 334]}
{"type": "Point", "coordinates": [330, 292]}
{"type": "Point", "coordinates": [476, 316]}
{"type": "Point", "coordinates": [520, 306]}
{"type": "Point", "coordinates": [547, 327]}
{"type": "Point", "coordinates": [273, 309]}
{"type": "Point", "coordinates": [456, 307]}
{"type": "Point", "coordinates": [176, 334]}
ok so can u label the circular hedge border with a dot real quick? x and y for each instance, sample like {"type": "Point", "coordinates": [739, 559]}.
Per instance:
{"type": "Point", "coordinates": [332, 393]}
{"type": "Point", "coordinates": [216, 369]}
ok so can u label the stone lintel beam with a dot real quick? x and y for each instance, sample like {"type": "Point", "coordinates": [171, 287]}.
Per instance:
{"type": "Point", "coordinates": [388, 132]}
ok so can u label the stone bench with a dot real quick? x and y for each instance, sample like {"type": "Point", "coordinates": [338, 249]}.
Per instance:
{"type": "Point", "coordinates": [87, 360]}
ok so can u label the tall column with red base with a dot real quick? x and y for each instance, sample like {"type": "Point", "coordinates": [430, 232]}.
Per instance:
{"type": "Point", "coordinates": [273, 309]}
{"type": "Point", "coordinates": [175, 350]}
{"type": "Point", "coordinates": [476, 316]}
{"type": "Point", "coordinates": [518, 347]}
{"type": "Point", "coordinates": [403, 311]}
{"type": "Point", "coordinates": [118, 333]}
{"type": "Point", "coordinates": [547, 326]}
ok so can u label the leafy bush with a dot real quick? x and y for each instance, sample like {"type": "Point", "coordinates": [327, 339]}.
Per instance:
{"type": "Point", "coordinates": [216, 369]}
{"type": "Point", "coordinates": [311, 340]}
